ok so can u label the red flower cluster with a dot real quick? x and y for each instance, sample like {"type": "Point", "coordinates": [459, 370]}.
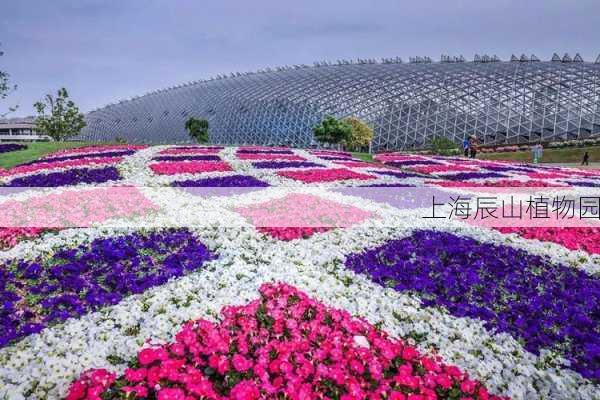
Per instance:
{"type": "Point", "coordinates": [324, 175]}
{"type": "Point", "coordinates": [9, 237]}
{"type": "Point", "coordinates": [188, 167]}
{"type": "Point", "coordinates": [574, 238]}
{"type": "Point", "coordinates": [283, 345]}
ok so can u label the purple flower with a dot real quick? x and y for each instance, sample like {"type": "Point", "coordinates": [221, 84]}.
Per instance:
{"type": "Point", "coordinates": [91, 276]}
{"type": "Point", "coordinates": [265, 151]}
{"type": "Point", "coordinates": [285, 164]}
{"type": "Point", "coordinates": [541, 304]}
{"type": "Point", "coordinates": [222, 185]}
{"type": "Point", "coordinates": [120, 153]}
{"type": "Point", "coordinates": [70, 177]}
{"type": "Point", "coordinates": [188, 158]}
{"type": "Point", "coordinates": [465, 176]}
{"type": "Point", "coordinates": [8, 147]}
{"type": "Point", "coordinates": [411, 162]}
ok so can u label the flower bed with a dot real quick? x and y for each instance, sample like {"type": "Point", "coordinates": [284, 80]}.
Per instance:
{"type": "Point", "coordinates": [38, 293]}
{"type": "Point", "coordinates": [574, 238]}
{"type": "Point", "coordinates": [188, 167]}
{"type": "Point", "coordinates": [112, 284]}
{"type": "Point", "coordinates": [67, 178]}
{"type": "Point", "coordinates": [299, 216]}
{"type": "Point", "coordinates": [284, 164]}
{"type": "Point", "coordinates": [8, 147]}
{"type": "Point", "coordinates": [544, 305]}
{"type": "Point", "coordinates": [324, 175]}
{"type": "Point", "coordinates": [270, 156]}
{"type": "Point", "coordinates": [284, 345]}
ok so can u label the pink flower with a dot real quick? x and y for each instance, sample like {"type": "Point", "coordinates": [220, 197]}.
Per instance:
{"type": "Point", "coordinates": [244, 390]}
{"type": "Point", "coordinates": [316, 175]}
{"type": "Point", "coordinates": [188, 167]}
{"type": "Point", "coordinates": [171, 394]}
{"type": "Point", "coordinates": [240, 363]}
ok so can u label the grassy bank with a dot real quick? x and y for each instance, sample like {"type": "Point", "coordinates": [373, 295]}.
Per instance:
{"type": "Point", "coordinates": [363, 156]}
{"type": "Point", "coordinates": [34, 151]}
{"type": "Point", "coordinates": [566, 155]}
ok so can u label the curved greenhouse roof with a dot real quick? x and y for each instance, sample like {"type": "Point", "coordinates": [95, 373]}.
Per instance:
{"type": "Point", "coordinates": [407, 104]}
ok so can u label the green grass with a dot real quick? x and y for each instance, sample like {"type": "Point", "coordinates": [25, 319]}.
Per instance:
{"type": "Point", "coordinates": [35, 150]}
{"type": "Point", "coordinates": [363, 156]}
{"type": "Point", "coordinates": [566, 155]}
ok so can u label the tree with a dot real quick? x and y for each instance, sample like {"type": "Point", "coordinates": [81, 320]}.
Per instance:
{"type": "Point", "coordinates": [64, 120]}
{"type": "Point", "coordinates": [444, 147]}
{"type": "Point", "coordinates": [361, 135]}
{"type": "Point", "coordinates": [332, 131]}
{"type": "Point", "coordinates": [197, 129]}
{"type": "Point", "coordinates": [6, 88]}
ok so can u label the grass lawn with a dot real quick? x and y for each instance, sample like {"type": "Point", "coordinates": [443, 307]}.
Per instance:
{"type": "Point", "coordinates": [34, 151]}
{"type": "Point", "coordinates": [363, 156]}
{"type": "Point", "coordinates": [566, 155]}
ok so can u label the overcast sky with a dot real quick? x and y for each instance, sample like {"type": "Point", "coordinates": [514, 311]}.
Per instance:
{"type": "Point", "coordinates": [103, 51]}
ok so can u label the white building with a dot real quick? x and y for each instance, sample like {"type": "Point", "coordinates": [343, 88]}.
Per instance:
{"type": "Point", "coordinates": [17, 129]}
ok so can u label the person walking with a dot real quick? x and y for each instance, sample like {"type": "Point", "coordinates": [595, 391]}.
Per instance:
{"type": "Point", "coordinates": [473, 146]}
{"type": "Point", "coordinates": [586, 159]}
{"type": "Point", "coordinates": [466, 146]}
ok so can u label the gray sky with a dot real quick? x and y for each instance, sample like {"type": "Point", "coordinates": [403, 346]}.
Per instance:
{"type": "Point", "coordinates": [102, 51]}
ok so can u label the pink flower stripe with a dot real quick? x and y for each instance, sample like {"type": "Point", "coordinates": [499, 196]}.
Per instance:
{"type": "Point", "coordinates": [189, 167]}
{"type": "Point", "coordinates": [284, 345]}
{"type": "Point", "coordinates": [546, 175]}
{"type": "Point", "coordinates": [199, 150]}
{"type": "Point", "coordinates": [573, 238]}
{"type": "Point", "coordinates": [500, 183]}
{"type": "Point", "coordinates": [95, 149]}
{"type": "Point", "coordinates": [10, 237]}
{"type": "Point", "coordinates": [324, 175]}
{"type": "Point", "coordinates": [75, 208]}
{"type": "Point", "coordinates": [83, 162]}
{"type": "Point", "coordinates": [432, 169]}
{"type": "Point", "coordinates": [270, 156]}
{"type": "Point", "coordinates": [299, 215]}
{"type": "Point", "coordinates": [262, 148]}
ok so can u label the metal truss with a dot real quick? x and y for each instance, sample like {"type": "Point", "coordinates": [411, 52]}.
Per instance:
{"type": "Point", "coordinates": [408, 104]}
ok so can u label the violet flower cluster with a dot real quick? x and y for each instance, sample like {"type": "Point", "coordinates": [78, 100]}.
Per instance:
{"type": "Point", "coordinates": [223, 181]}
{"type": "Point", "coordinates": [35, 294]}
{"type": "Point", "coordinates": [407, 163]}
{"type": "Point", "coordinates": [119, 153]}
{"type": "Point", "coordinates": [67, 178]}
{"type": "Point", "coordinates": [208, 157]}
{"type": "Point", "coordinates": [264, 151]}
{"type": "Point", "coordinates": [465, 176]}
{"type": "Point", "coordinates": [285, 164]}
{"type": "Point", "coordinates": [8, 147]}
{"type": "Point", "coordinates": [542, 305]}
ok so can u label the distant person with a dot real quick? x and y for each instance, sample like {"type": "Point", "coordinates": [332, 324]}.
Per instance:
{"type": "Point", "coordinates": [473, 147]}
{"type": "Point", "coordinates": [538, 151]}
{"type": "Point", "coordinates": [586, 159]}
{"type": "Point", "coordinates": [466, 147]}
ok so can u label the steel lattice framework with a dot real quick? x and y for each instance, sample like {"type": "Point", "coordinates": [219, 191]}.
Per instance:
{"type": "Point", "coordinates": [407, 104]}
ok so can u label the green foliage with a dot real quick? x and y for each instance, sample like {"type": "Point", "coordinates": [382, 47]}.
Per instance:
{"type": "Point", "coordinates": [197, 129]}
{"type": "Point", "coordinates": [64, 120]}
{"type": "Point", "coordinates": [6, 88]}
{"type": "Point", "coordinates": [120, 140]}
{"type": "Point", "coordinates": [444, 147]}
{"type": "Point", "coordinates": [361, 135]}
{"type": "Point", "coordinates": [332, 131]}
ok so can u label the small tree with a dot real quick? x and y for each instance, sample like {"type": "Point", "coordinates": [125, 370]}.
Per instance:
{"type": "Point", "coordinates": [444, 147]}
{"type": "Point", "coordinates": [361, 134]}
{"type": "Point", "coordinates": [64, 120]}
{"type": "Point", "coordinates": [6, 88]}
{"type": "Point", "coordinates": [197, 129]}
{"type": "Point", "coordinates": [332, 131]}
